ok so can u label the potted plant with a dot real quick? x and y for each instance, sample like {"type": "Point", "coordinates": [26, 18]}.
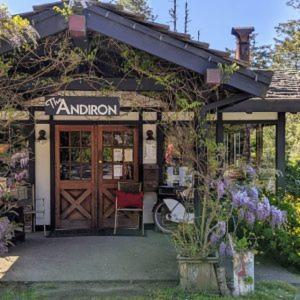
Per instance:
{"type": "Point", "coordinates": [197, 243]}
{"type": "Point", "coordinates": [249, 207]}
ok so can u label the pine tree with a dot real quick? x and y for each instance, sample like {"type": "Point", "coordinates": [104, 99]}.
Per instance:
{"type": "Point", "coordinates": [138, 6]}
{"type": "Point", "coordinates": [287, 47]}
{"type": "Point", "coordinates": [261, 56]}
{"type": "Point", "coordinates": [173, 14]}
{"type": "Point", "coordinates": [294, 3]}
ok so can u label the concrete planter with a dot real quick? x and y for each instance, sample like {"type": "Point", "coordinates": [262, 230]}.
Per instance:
{"type": "Point", "coordinates": [240, 272]}
{"type": "Point", "coordinates": [243, 273]}
{"type": "Point", "coordinates": [198, 274]}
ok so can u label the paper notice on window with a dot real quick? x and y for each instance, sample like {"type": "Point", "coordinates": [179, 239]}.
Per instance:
{"type": "Point", "coordinates": [118, 154]}
{"type": "Point", "coordinates": [118, 171]}
{"type": "Point", "coordinates": [128, 155]}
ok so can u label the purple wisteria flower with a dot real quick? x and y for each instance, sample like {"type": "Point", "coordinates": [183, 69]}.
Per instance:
{"type": "Point", "coordinates": [253, 193]}
{"type": "Point", "coordinates": [250, 172]}
{"type": "Point", "coordinates": [278, 217]}
{"type": "Point", "coordinates": [239, 198]}
{"type": "Point", "coordinates": [222, 249]}
{"type": "Point", "coordinates": [214, 238]}
{"type": "Point", "coordinates": [263, 209]}
{"type": "Point", "coordinates": [250, 217]}
{"type": "Point", "coordinates": [225, 249]}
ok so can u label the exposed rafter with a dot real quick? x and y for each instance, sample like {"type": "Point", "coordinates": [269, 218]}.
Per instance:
{"type": "Point", "coordinates": [218, 105]}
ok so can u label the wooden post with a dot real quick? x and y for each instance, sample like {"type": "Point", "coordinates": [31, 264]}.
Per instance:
{"type": "Point", "coordinates": [280, 149]}
{"type": "Point", "coordinates": [219, 129]}
{"type": "Point", "coordinates": [259, 144]}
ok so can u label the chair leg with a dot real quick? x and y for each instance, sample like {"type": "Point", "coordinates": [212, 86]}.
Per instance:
{"type": "Point", "coordinates": [143, 227]}
{"type": "Point", "coordinates": [45, 233]}
{"type": "Point", "coordinates": [116, 221]}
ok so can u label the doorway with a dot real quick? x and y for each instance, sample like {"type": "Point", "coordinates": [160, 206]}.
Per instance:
{"type": "Point", "coordinates": [89, 162]}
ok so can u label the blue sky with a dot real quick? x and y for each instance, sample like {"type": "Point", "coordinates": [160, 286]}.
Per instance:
{"type": "Point", "coordinates": [214, 18]}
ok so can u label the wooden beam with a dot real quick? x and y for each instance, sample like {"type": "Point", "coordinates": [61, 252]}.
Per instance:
{"type": "Point", "coordinates": [120, 84]}
{"type": "Point", "coordinates": [266, 105]}
{"type": "Point", "coordinates": [219, 129]}
{"type": "Point", "coordinates": [224, 103]}
{"type": "Point", "coordinates": [280, 150]}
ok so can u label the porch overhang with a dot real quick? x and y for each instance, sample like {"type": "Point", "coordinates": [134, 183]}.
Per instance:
{"type": "Point", "coordinates": [153, 38]}
{"type": "Point", "coordinates": [266, 105]}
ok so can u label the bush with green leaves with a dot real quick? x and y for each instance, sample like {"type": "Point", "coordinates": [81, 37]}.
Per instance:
{"type": "Point", "coordinates": [282, 243]}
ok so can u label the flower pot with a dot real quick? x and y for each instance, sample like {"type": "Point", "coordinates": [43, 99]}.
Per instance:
{"type": "Point", "coordinates": [243, 273]}
{"type": "Point", "coordinates": [240, 272]}
{"type": "Point", "coordinates": [198, 274]}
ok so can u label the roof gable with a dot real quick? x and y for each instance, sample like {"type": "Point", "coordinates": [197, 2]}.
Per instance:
{"type": "Point", "coordinates": [153, 38]}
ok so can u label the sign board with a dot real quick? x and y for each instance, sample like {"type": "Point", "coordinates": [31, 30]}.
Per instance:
{"type": "Point", "coordinates": [82, 106]}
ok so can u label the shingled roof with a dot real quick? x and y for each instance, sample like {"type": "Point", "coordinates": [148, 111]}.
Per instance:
{"type": "Point", "coordinates": [285, 85]}
{"type": "Point", "coordinates": [163, 28]}
{"type": "Point", "coordinates": [283, 95]}
{"type": "Point", "coordinates": [154, 38]}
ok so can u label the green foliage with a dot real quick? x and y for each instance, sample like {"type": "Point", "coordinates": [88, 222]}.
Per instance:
{"type": "Point", "coordinates": [227, 71]}
{"type": "Point", "coordinates": [241, 245]}
{"type": "Point", "coordinates": [282, 243]}
{"type": "Point", "coordinates": [261, 56]}
{"type": "Point", "coordinates": [15, 30]}
{"type": "Point", "coordinates": [292, 179]}
{"type": "Point", "coordinates": [138, 6]}
{"type": "Point", "coordinates": [66, 11]}
{"type": "Point", "coordinates": [249, 280]}
{"type": "Point", "coordinates": [288, 45]}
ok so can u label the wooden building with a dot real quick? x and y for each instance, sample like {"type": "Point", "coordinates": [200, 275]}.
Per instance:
{"type": "Point", "coordinates": [102, 125]}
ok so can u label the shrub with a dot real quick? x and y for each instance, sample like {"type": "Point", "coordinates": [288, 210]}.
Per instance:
{"type": "Point", "coordinates": [282, 243]}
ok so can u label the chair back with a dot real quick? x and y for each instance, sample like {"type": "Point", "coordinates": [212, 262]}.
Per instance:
{"type": "Point", "coordinates": [130, 187]}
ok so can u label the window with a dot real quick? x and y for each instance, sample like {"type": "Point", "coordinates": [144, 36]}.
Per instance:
{"type": "Point", "coordinates": [75, 155]}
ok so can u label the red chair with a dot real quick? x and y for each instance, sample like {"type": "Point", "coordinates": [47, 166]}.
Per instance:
{"type": "Point", "coordinates": [129, 198]}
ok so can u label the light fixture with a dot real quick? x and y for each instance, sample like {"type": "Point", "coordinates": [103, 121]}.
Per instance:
{"type": "Point", "coordinates": [42, 136]}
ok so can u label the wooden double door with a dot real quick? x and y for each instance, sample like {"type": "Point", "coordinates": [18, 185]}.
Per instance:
{"type": "Point", "coordinates": [89, 162]}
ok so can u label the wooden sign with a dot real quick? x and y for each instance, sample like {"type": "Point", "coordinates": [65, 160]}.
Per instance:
{"type": "Point", "coordinates": [82, 106]}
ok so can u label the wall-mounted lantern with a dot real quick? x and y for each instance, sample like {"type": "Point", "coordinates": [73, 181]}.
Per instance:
{"type": "Point", "coordinates": [42, 136]}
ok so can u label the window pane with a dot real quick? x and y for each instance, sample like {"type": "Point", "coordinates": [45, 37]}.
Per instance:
{"type": "Point", "coordinates": [86, 155]}
{"type": "Point", "coordinates": [107, 138]}
{"type": "Point", "coordinates": [128, 171]}
{"type": "Point", "coordinates": [128, 138]}
{"type": "Point", "coordinates": [64, 172]}
{"type": "Point", "coordinates": [64, 139]}
{"type": "Point", "coordinates": [128, 155]}
{"type": "Point", "coordinates": [75, 138]}
{"type": "Point", "coordinates": [75, 155]}
{"type": "Point", "coordinates": [107, 154]}
{"type": "Point", "coordinates": [64, 155]}
{"type": "Point", "coordinates": [107, 171]}
{"type": "Point", "coordinates": [86, 139]}
{"type": "Point", "coordinates": [118, 139]}
{"type": "Point", "coordinates": [75, 171]}
{"type": "Point", "coordinates": [86, 171]}
{"type": "Point", "coordinates": [118, 171]}
{"type": "Point", "coordinates": [118, 155]}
